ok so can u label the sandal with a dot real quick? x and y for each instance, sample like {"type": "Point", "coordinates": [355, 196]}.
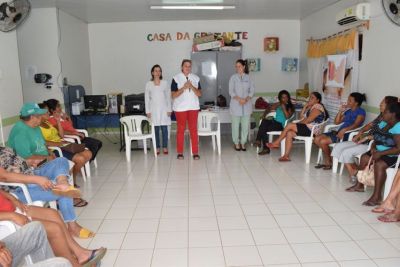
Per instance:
{"type": "Point", "coordinates": [243, 148]}
{"type": "Point", "coordinates": [80, 202]}
{"type": "Point", "coordinates": [354, 188]}
{"type": "Point", "coordinates": [327, 167]}
{"type": "Point", "coordinates": [320, 166]}
{"type": "Point", "coordinates": [381, 210]}
{"type": "Point", "coordinates": [236, 147]}
{"type": "Point", "coordinates": [95, 257]}
{"type": "Point", "coordinates": [70, 192]}
{"type": "Point", "coordinates": [85, 233]}
{"type": "Point", "coordinates": [165, 151]}
{"type": "Point", "coordinates": [389, 218]}
{"type": "Point", "coordinates": [284, 159]}
{"type": "Point", "coordinates": [265, 151]}
{"type": "Point", "coordinates": [196, 157]}
{"type": "Point", "coordinates": [272, 146]}
{"type": "Point", "coordinates": [371, 203]}
{"type": "Point", "coordinates": [180, 156]}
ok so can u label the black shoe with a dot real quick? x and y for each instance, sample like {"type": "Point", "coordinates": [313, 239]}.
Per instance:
{"type": "Point", "coordinates": [236, 148]}
{"type": "Point", "coordinates": [265, 151]}
{"type": "Point", "coordinates": [243, 148]}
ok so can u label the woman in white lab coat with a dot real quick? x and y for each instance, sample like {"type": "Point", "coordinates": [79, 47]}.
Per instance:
{"type": "Point", "coordinates": [158, 106]}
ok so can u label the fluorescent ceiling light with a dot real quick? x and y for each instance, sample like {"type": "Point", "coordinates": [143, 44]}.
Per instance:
{"type": "Point", "coordinates": [192, 2]}
{"type": "Point", "coordinates": [193, 7]}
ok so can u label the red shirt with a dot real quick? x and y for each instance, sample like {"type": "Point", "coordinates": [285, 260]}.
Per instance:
{"type": "Point", "coordinates": [6, 204]}
{"type": "Point", "coordinates": [65, 124]}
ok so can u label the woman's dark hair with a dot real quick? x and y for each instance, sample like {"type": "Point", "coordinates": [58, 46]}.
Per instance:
{"type": "Point", "coordinates": [289, 105]}
{"type": "Point", "coordinates": [186, 61]}
{"type": "Point", "coordinates": [391, 99]}
{"type": "Point", "coordinates": [153, 68]}
{"type": "Point", "coordinates": [51, 104]}
{"type": "Point", "coordinates": [394, 108]}
{"type": "Point", "coordinates": [43, 105]}
{"type": "Point", "coordinates": [244, 64]}
{"type": "Point", "coordinates": [359, 98]}
{"type": "Point", "coordinates": [319, 97]}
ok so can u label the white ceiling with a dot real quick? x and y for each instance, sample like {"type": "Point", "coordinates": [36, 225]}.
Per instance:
{"type": "Point", "coordinates": [94, 11]}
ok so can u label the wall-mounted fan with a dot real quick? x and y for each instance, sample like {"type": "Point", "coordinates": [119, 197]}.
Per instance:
{"type": "Point", "coordinates": [13, 13]}
{"type": "Point", "coordinates": [392, 10]}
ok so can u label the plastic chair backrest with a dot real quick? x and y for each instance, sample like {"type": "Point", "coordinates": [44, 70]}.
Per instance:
{"type": "Point", "coordinates": [290, 119]}
{"type": "Point", "coordinates": [318, 126]}
{"type": "Point", "coordinates": [133, 124]}
{"type": "Point", "coordinates": [206, 120]}
{"type": "Point", "coordinates": [1, 132]}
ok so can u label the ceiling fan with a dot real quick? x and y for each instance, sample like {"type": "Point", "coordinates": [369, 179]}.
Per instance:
{"type": "Point", "coordinates": [392, 10]}
{"type": "Point", "coordinates": [13, 13]}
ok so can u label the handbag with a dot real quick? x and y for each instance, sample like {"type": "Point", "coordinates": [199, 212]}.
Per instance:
{"type": "Point", "coordinates": [261, 103]}
{"type": "Point", "coordinates": [366, 176]}
{"type": "Point", "coordinates": [74, 148]}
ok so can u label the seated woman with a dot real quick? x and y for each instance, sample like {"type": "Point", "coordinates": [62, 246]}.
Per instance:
{"type": "Point", "coordinates": [313, 113]}
{"type": "Point", "coordinates": [54, 138]}
{"type": "Point", "coordinates": [351, 116]}
{"type": "Point", "coordinates": [391, 205]}
{"type": "Point", "coordinates": [63, 123]}
{"type": "Point", "coordinates": [384, 152]}
{"type": "Point", "coordinates": [284, 110]}
{"type": "Point", "coordinates": [60, 239]}
{"type": "Point", "coordinates": [346, 152]}
{"type": "Point", "coordinates": [14, 169]}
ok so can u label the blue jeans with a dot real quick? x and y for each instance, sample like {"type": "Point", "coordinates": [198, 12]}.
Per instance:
{"type": "Point", "coordinates": [164, 132]}
{"type": "Point", "coordinates": [52, 170]}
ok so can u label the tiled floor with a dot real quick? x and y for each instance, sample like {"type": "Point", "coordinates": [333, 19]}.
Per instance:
{"type": "Point", "coordinates": [234, 210]}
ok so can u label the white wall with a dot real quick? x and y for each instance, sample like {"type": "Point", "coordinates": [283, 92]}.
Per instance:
{"type": "Point", "coordinates": [10, 81]}
{"type": "Point", "coordinates": [121, 56]}
{"type": "Point", "coordinates": [74, 51]}
{"type": "Point", "coordinates": [37, 44]}
{"type": "Point", "coordinates": [379, 68]}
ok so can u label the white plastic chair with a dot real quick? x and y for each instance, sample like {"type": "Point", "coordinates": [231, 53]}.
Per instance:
{"type": "Point", "coordinates": [1, 132]}
{"type": "Point", "coordinates": [28, 198]}
{"type": "Point", "coordinates": [7, 228]}
{"type": "Point", "coordinates": [390, 175]}
{"type": "Point", "coordinates": [271, 134]}
{"type": "Point", "coordinates": [308, 140]}
{"type": "Point", "coordinates": [77, 139]}
{"type": "Point", "coordinates": [133, 131]}
{"type": "Point", "coordinates": [60, 154]}
{"type": "Point", "coordinates": [205, 122]}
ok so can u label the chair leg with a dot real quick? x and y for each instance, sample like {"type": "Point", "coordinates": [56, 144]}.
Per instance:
{"type": "Point", "coordinates": [308, 147]}
{"type": "Point", "coordinates": [83, 173]}
{"type": "Point", "coordinates": [145, 146]}
{"type": "Point", "coordinates": [218, 136]}
{"type": "Point", "coordinates": [128, 150]}
{"type": "Point", "coordinates": [95, 163]}
{"type": "Point", "coordinates": [341, 169]}
{"type": "Point", "coordinates": [335, 165]}
{"type": "Point", "coordinates": [319, 158]}
{"type": "Point", "coordinates": [283, 144]}
{"type": "Point", "coordinates": [389, 182]}
{"type": "Point", "coordinates": [153, 140]}
{"type": "Point", "coordinates": [87, 169]}
{"type": "Point", "coordinates": [270, 138]}
{"type": "Point", "coordinates": [213, 141]}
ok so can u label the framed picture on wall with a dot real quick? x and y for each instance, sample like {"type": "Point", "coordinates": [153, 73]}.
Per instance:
{"type": "Point", "coordinates": [271, 44]}
{"type": "Point", "coordinates": [254, 64]}
{"type": "Point", "coordinates": [290, 64]}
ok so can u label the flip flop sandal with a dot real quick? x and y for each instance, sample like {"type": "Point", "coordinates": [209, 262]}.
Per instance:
{"type": "Point", "coordinates": [327, 167]}
{"type": "Point", "coordinates": [320, 166]}
{"type": "Point", "coordinates": [381, 210]}
{"type": "Point", "coordinates": [96, 256]}
{"type": "Point", "coordinates": [284, 159]}
{"type": "Point", "coordinates": [388, 218]}
{"type": "Point", "coordinates": [271, 146]}
{"type": "Point", "coordinates": [71, 192]}
{"type": "Point", "coordinates": [165, 152]}
{"type": "Point", "coordinates": [196, 157]}
{"type": "Point", "coordinates": [81, 203]}
{"type": "Point", "coordinates": [180, 156]}
{"type": "Point", "coordinates": [371, 203]}
{"type": "Point", "coordinates": [85, 233]}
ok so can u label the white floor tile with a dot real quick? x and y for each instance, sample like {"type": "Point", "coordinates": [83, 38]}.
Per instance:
{"type": "Point", "coordinates": [312, 252]}
{"type": "Point", "coordinates": [259, 222]}
{"type": "Point", "coordinates": [300, 235]}
{"type": "Point", "coordinates": [134, 258]}
{"type": "Point", "coordinates": [330, 233]}
{"type": "Point", "coordinates": [232, 223]}
{"type": "Point", "coordinates": [172, 240]}
{"type": "Point", "coordinates": [206, 257]}
{"type": "Point", "coordinates": [318, 219]}
{"type": "Point", "coordinates": [170, 258]}
{"type": "Point", "coordinates": [347, 250]}
{"type": "Point", "coordinates": [139, 241]}
{"type": "Point", "coordinates": [378, 248]}
{"type": "Point", "coordinates": [204, 239]}
{"type": "Point", "coordinates": [242, 256]}
{"type": "Point", "coordinates": [109, 240]}
{"type": "Point", "coordinates": [114, 226]}
{"type": "Point", "coordinates": [268, 236]}
{"type": "Point", "coordinates": [173, 225]}
{"type": "Point", "coordinates": [237, 238]}
{"type": "Point", "coordinates": [144, 225]}
{"type": "Point", "coordinates": [277, 254]}
{"type": "Point", "coordinates": [203, 224]}
{"type": "Point", "coordinates": [291, 220]}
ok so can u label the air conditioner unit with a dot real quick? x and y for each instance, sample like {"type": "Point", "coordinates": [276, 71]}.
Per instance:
{"type": "Point", "coordinates": [357, 13]}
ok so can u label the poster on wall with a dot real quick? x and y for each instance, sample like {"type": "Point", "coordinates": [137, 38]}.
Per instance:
{"type": "Point", "coordinates": [336, 71]}
{"type": "Point", "coordinates": [289, 64]}
{"type": "Point", "coordinates": [271, 44]}
{"type": "Point", "coordinates": [254, 64]}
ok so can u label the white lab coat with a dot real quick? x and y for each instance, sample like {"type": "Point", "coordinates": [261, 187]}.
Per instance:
{"type": "Point", "coordinates": [158, 102]}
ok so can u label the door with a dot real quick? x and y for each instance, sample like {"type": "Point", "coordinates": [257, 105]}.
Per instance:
{"type": "Point", "coordinates": [204, 65]}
